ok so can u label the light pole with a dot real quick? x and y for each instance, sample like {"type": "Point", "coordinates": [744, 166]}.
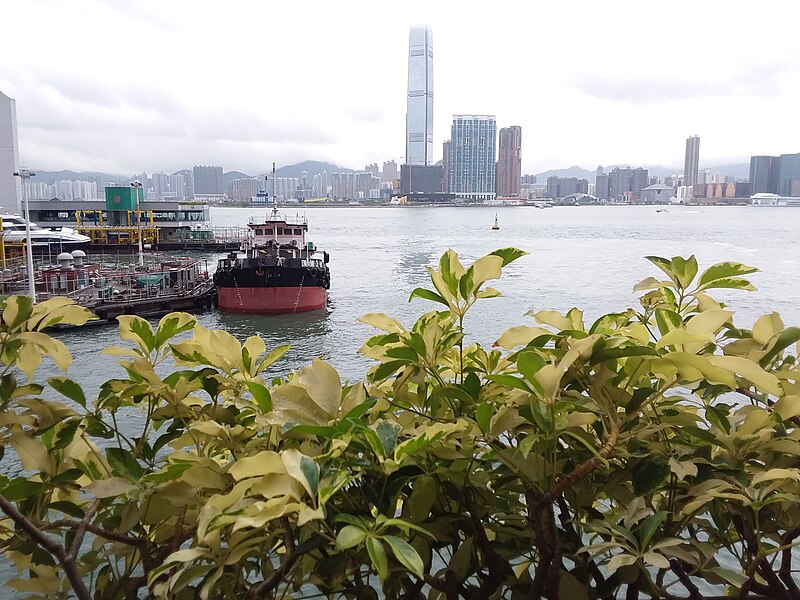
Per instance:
{"type": "Point", "coordinates": [136, 185]}
{"type": "Point", "coordinates": [24, 174]}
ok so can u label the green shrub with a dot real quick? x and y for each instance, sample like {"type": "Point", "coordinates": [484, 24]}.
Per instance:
{"type": "Point", "coordinates": [565, 461]}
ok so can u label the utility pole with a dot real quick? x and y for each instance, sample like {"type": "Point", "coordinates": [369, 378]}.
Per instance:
{"type": "Point", "coordinates": [137, 185]}
{"type": "Point", "coordinates": [24, 174]}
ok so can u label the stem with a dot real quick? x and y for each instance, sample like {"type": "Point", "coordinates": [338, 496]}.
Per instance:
{"type": "Point", "coordinates": [290, 556]}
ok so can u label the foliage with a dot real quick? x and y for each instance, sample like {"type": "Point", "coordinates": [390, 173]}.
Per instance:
{"type": "Point", "coordinates": [636, 453]}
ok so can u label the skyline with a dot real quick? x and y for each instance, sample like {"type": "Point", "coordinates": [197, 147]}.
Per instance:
{"type": "Point", "coordinates": [200, 87]}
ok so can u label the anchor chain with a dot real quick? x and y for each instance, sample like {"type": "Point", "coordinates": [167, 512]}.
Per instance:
{"type": "Point", "coordinates": [299, 289]}
{"type": "Point", "coordinates": [238, 293]}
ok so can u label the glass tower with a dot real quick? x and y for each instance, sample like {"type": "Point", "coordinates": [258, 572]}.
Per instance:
{"type": "Point", "coordinates": [473, 151]}
{"type": "Point", "coordinates": [10, 186]}
{"type": "Point", "coordinates": [692, 162]}
{"type": "Point", "coordinates": [419, 114]}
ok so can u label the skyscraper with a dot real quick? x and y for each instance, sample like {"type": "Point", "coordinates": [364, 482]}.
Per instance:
{"type": "Point", "coordinates": [692, 162]}
{"type": "Point", "coordinates": [509, 161]}
{"type": "Point", "coordinates": [10, 186]}
{"type": "Point", "coordinates": [208, 180]}
{"type": "Point", "coordinates": [419, 112]}
{"type": "Point", "coordinates": [765, 173]}
{"type": "Point", "coordinates": [473, 151]}
{"type": "Point", "coordinates": [446, 166]}
{"type": "Point", "coordinates": [789, 182]}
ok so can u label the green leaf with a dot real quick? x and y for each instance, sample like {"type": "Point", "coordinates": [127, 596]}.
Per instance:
{"type": "Point", "coordinates": [387, 434]}
{"type": "Point", "coordinates": [377, 555]}
{"type": "Point", "coordinates": [483, 415]}
{"type": "Point", "coordinates": [423, 497]}
{"type": "Point", "coordinates": [387, 369]}
{"type": "Point", "coordinates": [303, 469]}
{"type": "Point", "coordinates": [685, 269]}
{"type": "Point", "coordinates": [528, 363]}
{"type": "Point", "coordinates": [20, 489]}
{"type": "Point", "coordinates": [124, 464]}
{"type": "Point", "coordinates": [405, 353]}
{"type": "Point", "coordinates": [406, 555]}
{"type": "Point", "coordinates": [732, 577]}
{"type": "Point", "coordinates": [509, 255]}
{"type": "Point", "coordinates": [665, 265]}
{"type": "Point", "coordinates": [732, 283]}
{"type": "Point", "coordinates": [68, 388]}
{"type": "Point", "coordinates": [67, 508]}
{"type": "Point", "coordinates": [427, 295]}
{"type": "Point", "coordinates": [138, 331]}
{"type": "Point", "coordinates": [261, 395]}
{"type": "Point", "coordinates": [649, 527]}
{"type": "Point", "coordinates": [724, 270]}
{"type": "Point", "coordinates": [349, 536]}
{"type": "Point", "coordinates": [109, 488]}
{"type": "Point", "coordinates": [786, 338]}
{"type": "Point", "coordinates": [17, 310]}
{"type": "Point", "coordinates": [649, 475]}
{"type": "Point", "coordinates": [171, 325]}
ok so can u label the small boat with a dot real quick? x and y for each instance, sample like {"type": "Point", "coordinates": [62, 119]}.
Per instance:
{"type": "Point", "coordinates": [13, 232]}
{"type": "Point", "coordinates": [279, 273]}
{"type": "Point", "coordinates": [661, 210]}
{"type": "Point", "coordinates": [496, 225]}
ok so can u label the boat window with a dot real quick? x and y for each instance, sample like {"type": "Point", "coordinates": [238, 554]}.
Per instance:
{"type": "Point", "coordinates": [269, 232]}
{"type": "Point", "coordinates": [298, 232]}
{"type": "Point", "coordinates": [259, 232]}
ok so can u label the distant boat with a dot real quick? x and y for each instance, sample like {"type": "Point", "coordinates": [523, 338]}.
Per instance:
{"type": "Point", "coordinates": [661, 210]}
{"type": "Point", "coordinates": [496, 224]}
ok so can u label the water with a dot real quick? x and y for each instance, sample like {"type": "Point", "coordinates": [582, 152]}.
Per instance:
{"type": "Point", "coordinates": [589, 257]}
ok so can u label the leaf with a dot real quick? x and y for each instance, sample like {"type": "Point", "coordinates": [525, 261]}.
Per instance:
{"type": "Point", "coordinates": [528, 363]}
{"type": "Point", "coordinates": [68, 388]}
{"type": "Point", "coordinates": [786, 338]}
{"type": "Point", "coordinates": [258, 465]}
{"type": "Point", "coordinates": [743, 367]}
{"type": "Point", "coordinates": [483, 414]}
{"type": "Point", "coordinates": [649, 528]}
{"type": "Point", "coordinates": [649, 475]}
{"type": "Point", "coordinates": [665, 265]}
{"type": "Point", "coordinates": [724, 270]}
{"type": "Point", "coordinates": [708, 321]}
{"type": "Point", "coordinates": [682, 469]}
{"type": "Point", "coordinates": [135, 329]}
{"type": "Point", "coordinates": [109, 488]}
{"type": "Point", "coordinates": [303, 469]}
{"type": "Point", "coordinates": [261, 395]}
{"type": "Point", "coordinates": [552, 318]}
{"type": "Point", "coordinates": [171, 325]}
{"type": "Point", "coordinates": [571, 587]}
{"type": "Point", "coordinates": [767, 326]}
{"type": "Point", "coordinates": [509, 255]}
{"type": "Point", "coordinates": [406, 555]}
{"type": "Point", "coordinates": [382, 322]}
{"type": "Point", "coordinates": [485, 269]}
{"type": "Point", "coordinates": [732, 577]}
{"type": "Point", "coordinates": [776, 474]}
{"type": "Point", "coordinates": [16, 311]}
{"type": "Point", "coordinates": [377, 555]}
{"type": "Point", "coordinates": [620, 560]}
{"type": "Point", "coordinates": [387, 434]}
{"type": "Point", "coordinates": [520, 336]}
{"type": "Point", "coordinates": [423, 497]}
{"type": "Point", "coordinates": [427, 295]}
{"type": "Point", "coordinates": [732, 283]}
{"type": "Point", "coordinates": [349, 536]}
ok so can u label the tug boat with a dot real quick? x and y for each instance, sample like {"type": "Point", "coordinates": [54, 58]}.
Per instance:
{"type": "Point", "coordinates": [279, 273]}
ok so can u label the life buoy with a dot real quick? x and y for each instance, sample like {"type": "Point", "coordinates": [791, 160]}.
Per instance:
{"type": "Point", "coordinates": [313, 272]}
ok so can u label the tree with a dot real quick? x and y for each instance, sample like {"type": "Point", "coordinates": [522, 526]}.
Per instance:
{"type": "Point", "coordinates": [653, 451]}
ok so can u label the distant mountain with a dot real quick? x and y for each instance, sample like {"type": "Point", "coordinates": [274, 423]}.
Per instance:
{"type": "Point", "coordinates": [50, 177]}
{"type": "Point", "coordinates": [574, 171]}
{"type": "Point", "coordinates": [314, 167]}
{"type": "Point", "coordinates": [231, 175]}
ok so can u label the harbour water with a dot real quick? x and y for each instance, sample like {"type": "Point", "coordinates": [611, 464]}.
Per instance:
{"type": "Point", "coordinates": [589, 257]}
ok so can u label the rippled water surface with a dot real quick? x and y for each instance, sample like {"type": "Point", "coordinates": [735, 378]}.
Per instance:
{"type": "Point", "coordinates": [589, 257]}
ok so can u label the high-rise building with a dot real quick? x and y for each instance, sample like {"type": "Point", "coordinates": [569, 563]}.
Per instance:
{"type": "Point", "coordinates": [559, 187]}
{"type": "Point", "coordinates": [692, 161]}
{"type": "Point", "coordinates": [419, 111]}
{"type": "Point", "coordinates": [509, 161]}
{"type": "Point", "coordinates": [389, 171]}
{"type": "Point", "coordinates": [208, 180]}
{"type": "Point", "coordinates": [473, 151]}
{"type": "Point", "coordinates": [10, 186]}
{"type": "Point", "coordinates": [625, 182]}
{"type": "Point", "coordinates": [446, 166]}
{"type": "Point", "coordinates": [789, 182]}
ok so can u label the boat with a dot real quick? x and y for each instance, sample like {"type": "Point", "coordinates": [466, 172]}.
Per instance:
{"type": "Point", "coordinates": [773, 200]}
{"type": "Point", "coordinates": [277, 271]}
{"type": "Point", "coordinates": [14, 233]}
{"type": "Point", "coordinates": [661, 210]}
{"type": "Point", "coordinates": [496, 225]}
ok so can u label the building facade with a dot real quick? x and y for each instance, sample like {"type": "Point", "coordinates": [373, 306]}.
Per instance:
{"type": "Point", "coordinates": [10, 186]}
{"type": "Point", "coordinates": [208, 180]}
{"type": "Point", "coordinates": [473, 151]}
{"type": "Point", "coordinates": [626, 183]}
{"type": "Point", "coordinates": [446, 166]}
{"type": "Point", "coordinates": [789, 181]}
{"type": "Point", "coordinates": [691, 163]}
{"type": "Point", "coordinates": [765, 172]}
{"type": "Point", "coordinates": [509, 161]}
{"type": "Point", "coordinates": [559, 187]}
{"type": "Point", "coordinates": [419, 111]}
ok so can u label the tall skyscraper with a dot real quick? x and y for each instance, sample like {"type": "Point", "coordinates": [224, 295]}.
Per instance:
{"type": "Point", "coordinates": [419, 111]}
{"type": "Point", "coordinates": [789, 182]}
{"type": "Point", "coordinates": [692, 162]}
{"type": "Point", "coordinates": [10, 186]}
{"type": "Point", "coordinates": [473, 151]}
{"type": "Point", "coordinates": [446, 166]}
{"type": "Point", "coordinates": [208, 180]}
{"type": "Point", "coordinates": [509, 161]}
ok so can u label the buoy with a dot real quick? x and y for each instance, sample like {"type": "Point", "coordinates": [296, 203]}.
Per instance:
{"type": "Point", "coordinates": [496, 224]}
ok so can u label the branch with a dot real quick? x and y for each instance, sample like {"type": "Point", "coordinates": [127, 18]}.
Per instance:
{"type": "Point", "coordinates": [290, 556]}
{"type": "Point", "coordinates": [49, 544]}
{"type": "Point", "coordinates": [683, 577]}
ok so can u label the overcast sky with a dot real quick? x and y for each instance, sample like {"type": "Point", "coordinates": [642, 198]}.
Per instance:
{"type": "Point", "coordinates": [125, 86]}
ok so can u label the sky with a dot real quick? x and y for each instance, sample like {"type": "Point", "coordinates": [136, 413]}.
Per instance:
{"type": "Point", "coordinates": [125, 86]}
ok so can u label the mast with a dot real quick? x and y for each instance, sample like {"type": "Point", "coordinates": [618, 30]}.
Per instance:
{"type": "Point", "coordinates": [274, 205]}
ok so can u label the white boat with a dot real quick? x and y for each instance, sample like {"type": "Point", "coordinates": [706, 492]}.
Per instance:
{"type": "Point", "coordinates": [762, 199]}
{"type": "Point", "coordinates": [14, 232]}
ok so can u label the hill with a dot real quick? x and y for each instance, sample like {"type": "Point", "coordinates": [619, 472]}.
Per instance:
{"type": "Point", "coordinates": [574, 171]}
{"type": "Point", "coordinates": [313, 167]}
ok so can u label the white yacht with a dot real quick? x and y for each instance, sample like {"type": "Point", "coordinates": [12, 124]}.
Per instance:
{"type": "Point", "coordinates": [763, 199]}
{"type": "Point", "coordinates": [14, 232]}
